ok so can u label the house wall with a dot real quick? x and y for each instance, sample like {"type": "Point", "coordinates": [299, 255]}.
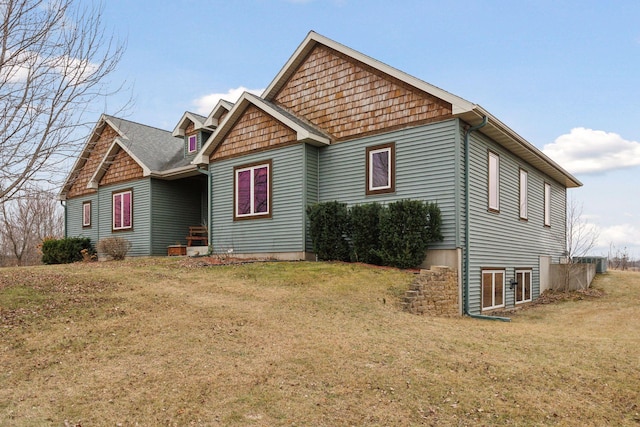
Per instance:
{"type": "Point", "coordinates": [426, 169]}
{"type": "Point", "coordinates": [140, 234]}
{"type": "Point", "coordinates": [74, 218]}
{"type": "Point", "coordinates": [175, 205]}
{"type": "Point", "coordinates": [312, 187]}
{"type": "Point", "coordinates": [503, 240]}
{"type": "Point", "coordinates": [284, 231]}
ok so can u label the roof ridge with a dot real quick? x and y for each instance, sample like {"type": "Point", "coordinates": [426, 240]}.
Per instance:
{"type": "Point", "coordinates": [137, 123]}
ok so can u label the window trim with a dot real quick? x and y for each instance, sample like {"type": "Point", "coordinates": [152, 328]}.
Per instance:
{"type": "Point", "coordinates": [195, 145]}
{"type": "Point", "coordinates": [113, 210]}
{"type": "Point", "coordinates": [524, 194]}
{"type": "Point", "coordinates": [252, 167]}
{"type": "Point", "coordinates": [523, 271]}
{"type": "Point", "coordinates": [547, 204]}
{"type": "Point", "coordinates": [86, 216]}
{"type": "Point", "coordinates": [495, 188]}
{"type": "Point", "coordinates": [391, 171]}
{"type": "Point", "coordinates": [493, 271]}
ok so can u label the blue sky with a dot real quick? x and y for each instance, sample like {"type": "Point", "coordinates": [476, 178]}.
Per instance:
{"type": "Point", "coordinates": [563, 74]}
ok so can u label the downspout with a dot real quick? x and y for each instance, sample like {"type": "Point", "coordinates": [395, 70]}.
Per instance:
{"type": "Point", "coordinates": [209, 203]}
{"type": "Point", "coordinates": [467, 240]}
{"type": "Point", "coordinates": [64, 205]}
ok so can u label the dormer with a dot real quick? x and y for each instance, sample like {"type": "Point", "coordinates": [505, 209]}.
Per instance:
{"type": "Point", "coordinates": [191, 128]}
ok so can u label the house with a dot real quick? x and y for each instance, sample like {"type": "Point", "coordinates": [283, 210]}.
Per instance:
{"type": "Point", "coordinates": [335, 124]}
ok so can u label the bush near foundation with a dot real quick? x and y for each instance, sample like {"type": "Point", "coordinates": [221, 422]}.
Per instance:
{"type": "Point", "coordinates": [396, 235]}
{"type": "Point", "coordinates": [65, 251]}
{"type": "Point", "coordinates": [329, 222]}
{"type": "Point", "coordinates": [114, 247]}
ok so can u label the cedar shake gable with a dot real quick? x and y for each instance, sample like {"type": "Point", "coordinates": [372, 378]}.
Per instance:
{"type": "Point", "coordinates": [255, 124]}
{"type": "Point", "coordinates": [347, 98]}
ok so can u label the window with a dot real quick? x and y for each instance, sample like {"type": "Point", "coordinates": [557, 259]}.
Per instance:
{"type": "Point", "coordinates": [252, 191]}
{"type": "Point", "coordinates": [523, 288]}
{"type": "Point", "coordinates": [547, 205]}
{"type": "Point", "coordinates": [123, 210]}
{"type": "Point", "coordinates": [494, 182]}
{"type": "Point", "coordinates": [524, 176]}
{"type": "Point", "coordinates": [193, 143]}
{"type": "Point", "coordinates": [381, 169]}
{"type": "Point", "coordinates": [492, 288]}
{"type": "Point", "coordinates": [86, 214]}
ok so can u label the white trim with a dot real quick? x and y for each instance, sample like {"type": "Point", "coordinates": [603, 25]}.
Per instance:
{"type": "Point", "coordinates": [113, 211]}
{"type": "Point", "coordinates": [110, 154]}
{"type": "Point", "coordinates": [524, 202]}
{"type": "Point", "coordinates": [182, 125]}
{"type": "Point", "coordinates": [494, 181]}
{"type": "Point", "coordinates": [547, 204]}
{"type": "Point", "coordinates": [251, 190]}
{"type": "Point", "coordinates": [195, 146]}
{"type": "Point", "coordinates": [521, 285]}
{"type": "Point", "coordinates": [389, 160]}
{"type": "Point", "coordinates": [493, 273]}
{"type": "Point", "coordinates": [86, 219]}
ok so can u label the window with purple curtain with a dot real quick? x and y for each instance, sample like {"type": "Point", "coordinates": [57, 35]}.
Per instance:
{"type": "Point", "coordinates": [380, 169]}
{"type": "Point", "coordinates": [252, 190]}
{"type": "Point", "coordinates": [193, 143]}
{"type": "Point", "coordinates": [122, 210]}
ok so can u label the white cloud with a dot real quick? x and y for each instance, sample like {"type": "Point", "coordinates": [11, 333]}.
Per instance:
{"type": "Point", "coordinates": [205, 103]}
{"type": "Point", "coordinates": [620, 236]}
{"type": "Point", "coordinates": [591, 151]}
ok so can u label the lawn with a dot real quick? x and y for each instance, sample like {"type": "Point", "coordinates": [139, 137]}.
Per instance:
{"type": "Point", "coordinates": [171, 341]}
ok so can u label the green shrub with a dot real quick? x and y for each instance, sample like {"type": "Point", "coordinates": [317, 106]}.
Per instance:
{"type": "Point", "coordinates": [114, 247]}
{"type": "Point", "coordinates": [364, 232]}
{"type": "Point", "coordinates": [328, 225]}
{"type": "Point", "coordinates": [405, 232]}
{"type": "Point", "coordinates": [64, 251]}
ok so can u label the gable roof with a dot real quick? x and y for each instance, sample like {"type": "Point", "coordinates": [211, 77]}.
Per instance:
{"type": "Point", "coordinates": [305, 132]}
{"type": "Point", "coordinates": [189, 117]}
{"type": "Point", "coordinates": [471, 113]}
{"type": "Point", "coordinates": [156, 151]}
{"type": "Point", "coordinates": [222, 107]}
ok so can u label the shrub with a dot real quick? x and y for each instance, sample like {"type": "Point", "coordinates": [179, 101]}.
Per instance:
{"type": "Point", "coordinates": [364, 231]}
{"type": "Point", "coordinates": [405, 232]}
{"type": "Point", "coordinates": [64, 251]}
{"type": "Point", "coordinates": [114, 247]}
{"type": "Point", "coordinates": [328, 224]}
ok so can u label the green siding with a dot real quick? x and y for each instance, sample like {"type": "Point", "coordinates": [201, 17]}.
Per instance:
{"type": "Point", "coordinates": [74, 218]}
{"type": "Point", "coordinates": [312, 187]}
{"type": "Point", "coordinates": [176, 205]}
{"type": "Point", "coordinates": [502, 239]}
{"type": "Point", "coordinates": [425, 170]}
{"type": "Point", "coordinates": [140, 235]}
{"type": "Point", "coordinates": [283, 232]}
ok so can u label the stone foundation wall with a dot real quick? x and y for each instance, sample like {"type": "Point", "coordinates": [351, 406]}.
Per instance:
{"type": "Point", "coordinates": [434, 293]}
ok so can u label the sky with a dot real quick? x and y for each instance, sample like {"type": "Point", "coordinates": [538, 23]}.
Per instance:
{"type": "Point", "coordinates": [565, 75]}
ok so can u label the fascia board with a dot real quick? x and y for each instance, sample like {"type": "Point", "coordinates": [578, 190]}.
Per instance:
{"type": "Point", "coordinates": [459, 105]}
{"type": "Point", "coordinates": [111, 152]}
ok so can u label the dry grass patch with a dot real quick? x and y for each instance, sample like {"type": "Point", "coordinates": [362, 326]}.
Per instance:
{"type": "Point", "coordinates": [157, 342]}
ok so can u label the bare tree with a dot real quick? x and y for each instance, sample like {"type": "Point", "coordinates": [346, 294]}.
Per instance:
{"type": "Point", "coordinates": [54, 62]}
{"type": "Point", "coordinates": [25, 222]}
{"type": "Point", "coordinates": [581, 237]}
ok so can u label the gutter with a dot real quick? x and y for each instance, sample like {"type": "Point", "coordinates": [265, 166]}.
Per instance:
{"type": "Point", "coordinates": [467, 240]}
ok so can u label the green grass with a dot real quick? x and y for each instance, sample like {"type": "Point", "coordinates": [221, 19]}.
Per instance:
{"type": "Point", "coordinates": [169, 342]}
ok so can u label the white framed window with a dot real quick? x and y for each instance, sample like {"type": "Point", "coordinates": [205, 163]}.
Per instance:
{"type": "Point", "coordinates": [252, 191]}
{"type": "Point", "coordinates": [494, 182]}
{"type": "Point", "coordinates": [86, 214]}
{"type": "Point", "coordinates": [492, 288]}
{"type": "Point", "coordinates": [122, 206]}
{"type": "Point", "coordinates": [380, 169]}
{"type": "Point", "coordinates": [192, 143]}
{"type": "Point", "coordinates": [524, 203]}
{"type": "Point", "coordinates": [547, 204]}
{"type": "Point", "coordinates": [523, 288]}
